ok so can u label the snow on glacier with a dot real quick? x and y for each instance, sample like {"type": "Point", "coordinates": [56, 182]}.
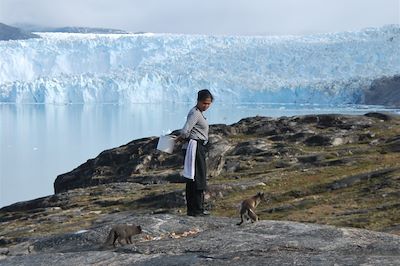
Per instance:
{"type": "Point", "coordinates": [330, 68]}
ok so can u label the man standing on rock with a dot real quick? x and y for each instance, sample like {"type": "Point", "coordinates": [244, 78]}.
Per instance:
{"type": "Point", "coordinates": [195, 134]}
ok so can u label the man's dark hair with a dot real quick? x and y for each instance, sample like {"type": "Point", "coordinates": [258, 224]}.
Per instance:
{"type": "Point", "coordinates": [204, 94]}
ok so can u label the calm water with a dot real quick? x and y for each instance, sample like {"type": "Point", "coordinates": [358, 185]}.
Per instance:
{"type": "Point", "coordinates": [39, 142]}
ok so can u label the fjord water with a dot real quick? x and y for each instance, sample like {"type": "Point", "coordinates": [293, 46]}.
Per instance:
{"type": "Point", "coordinates": [39, 142]}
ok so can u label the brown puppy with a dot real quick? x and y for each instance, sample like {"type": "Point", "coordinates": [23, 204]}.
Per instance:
{"type": "Point", "coordinates": [249, 205]}
{"type": "Point", "coordinates": [122, 231]}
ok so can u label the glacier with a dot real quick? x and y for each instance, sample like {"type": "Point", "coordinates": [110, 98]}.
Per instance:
{"type": "Point", "coordinates": [63, 68]}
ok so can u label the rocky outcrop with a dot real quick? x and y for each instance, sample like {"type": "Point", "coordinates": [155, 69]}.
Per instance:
{"type": "Point", "coordinates": [384, 91]}
{"type": "Point", "coordinates": [12, 33]}
{"type": "Point", "coordinates": [180, 240]}
{"type": "Point", "coordinates": [140, 162]}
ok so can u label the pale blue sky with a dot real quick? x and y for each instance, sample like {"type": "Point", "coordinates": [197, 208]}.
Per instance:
{"type": "Point", "coordinates": [248, 17]}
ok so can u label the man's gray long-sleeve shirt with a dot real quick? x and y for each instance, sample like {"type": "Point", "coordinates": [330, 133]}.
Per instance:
{"type": "Point", "coordinates": [196, 126]}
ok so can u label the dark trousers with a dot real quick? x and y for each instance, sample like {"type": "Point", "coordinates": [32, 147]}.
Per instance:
{"type": "Point", "coordinates": [194, 198]}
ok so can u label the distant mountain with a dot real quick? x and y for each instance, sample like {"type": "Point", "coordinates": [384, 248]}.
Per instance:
{"type": "Point", "coordinates": [88, 30]}
{"type": "Point", "coordinates": [13, 33]}
{"type": "Point", "coordinates": [35, 28]}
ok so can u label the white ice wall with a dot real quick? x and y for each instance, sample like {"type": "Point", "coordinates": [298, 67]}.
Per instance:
{"type": "Point", "coordinates": [76, 68]}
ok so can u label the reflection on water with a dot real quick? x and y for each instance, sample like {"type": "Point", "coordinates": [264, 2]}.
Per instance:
{"type": "Point", "coordinates": [39, 142]}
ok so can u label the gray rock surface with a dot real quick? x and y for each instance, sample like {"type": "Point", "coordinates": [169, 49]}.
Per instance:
{"type": "Point", "coordinates": [180, 240]}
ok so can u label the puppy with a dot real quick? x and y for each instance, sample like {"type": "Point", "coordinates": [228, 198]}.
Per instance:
{"type": "Point", "coordinates": [249, 205]}
{"type": "Point", "coordinates": [122, 232]}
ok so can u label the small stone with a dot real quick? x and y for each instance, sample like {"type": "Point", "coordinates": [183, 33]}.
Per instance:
{"type": "Point", "coordinates": [337, 142]}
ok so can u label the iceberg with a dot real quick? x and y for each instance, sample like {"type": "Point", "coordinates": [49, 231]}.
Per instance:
{"type": "Point", "coordinates": [65, 68]}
